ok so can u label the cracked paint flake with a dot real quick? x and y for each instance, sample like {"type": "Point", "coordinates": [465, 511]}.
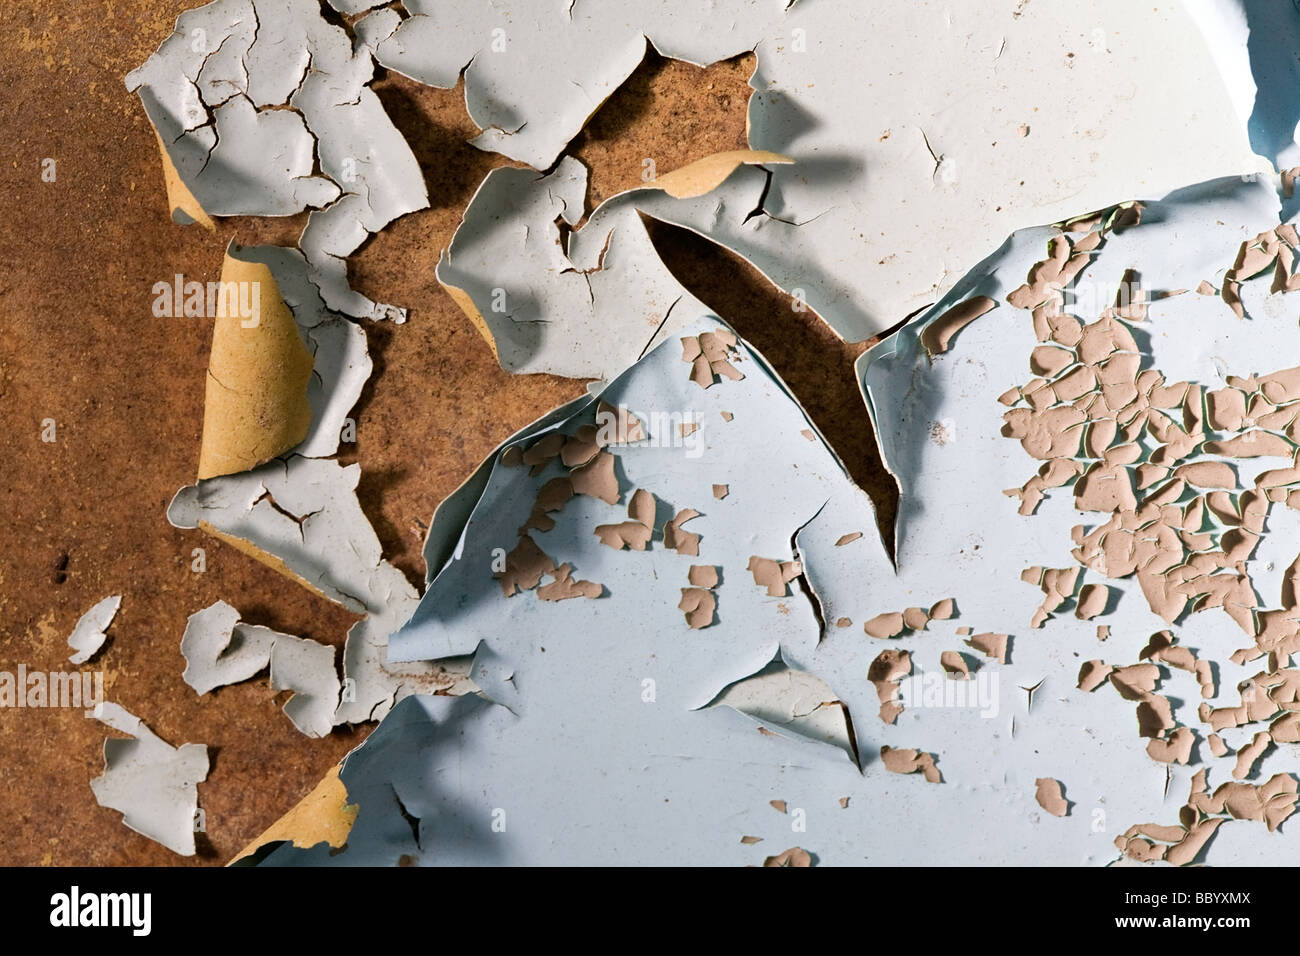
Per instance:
{"type": "Point", "coordinates": [542, 306]}
{"type": "Point", "coordinates": [300, 516]}
{"type": "Point", "coordinates": [265, 109]}
{"type": "Point", "coordinates": [530, 112]}
{"type": "Point", "coordinates": [219, 649]}
{"type": "Point", "coordinates": [533, 77]}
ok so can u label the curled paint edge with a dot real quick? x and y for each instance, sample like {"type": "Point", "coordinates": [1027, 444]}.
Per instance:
{"type": "Point", "coordinates": [708, 173]}
{"type": "Point", "coordinates": [446, 536]}
{"type": "Point", "coordinates": [185, 209]}
{"type": "Point", "coordinates": [466, 304]}
{"type": "Point", "coordinates": [691, 181]}
{"type": "Point", "coordinates": [908, 341]}
{"type": "Point", "coordinates": [244, 546]}
{"type": "Point", "coordinates": [323, 815]}
{"type": "Point", "coordinates": [452, 514]}
{"type": "Point", "coordinates": [255, 402]}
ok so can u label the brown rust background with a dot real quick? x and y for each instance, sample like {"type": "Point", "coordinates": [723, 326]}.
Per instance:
{"type": "Point", "coordinates": [83, 517]}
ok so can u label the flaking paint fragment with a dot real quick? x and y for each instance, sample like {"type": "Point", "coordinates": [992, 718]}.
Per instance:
{"type": "Point", "coordinates": [795, 701]}
{"type": "Point", "coordinates": [543, 304]}
{"type": "Point", "coordinates": [795, 856]}
{"type": "Point", "coordinates": [185, 209]}
{"type": "Point", "coordinates": [703, 576]}
{"type": "Point", "coordinates": [772, 574]}
{"type": "Point", "coordinates": [885, 672]}
{"type": "Point", "coordinates": [323, 816]}
{"type": "Point", "coordinates": [1176, 748]}
{"type": "Point", "coordinates": [1092, 601]}
{"type": "Point", "coordinates": [1050, 797]}
{"type": "Point", "coordinates": [905, 761]}
{"type": "Point", "coordinates": [219, 650]}
{"type": "Point", "coordinates": [893, 623]}
{"type": "Point", "coordinates": [534, 75]}
{"type": "Point", "coordinates": [303, 514]}
{"type": "Point", "coordinates": [636, 533]}
{"type": "Point", "coordinates": [1270, 802]}
{"type": "Point", "coordinates": [249, 99]}
{"type": "Point", "coordinates": [300, 516]}
{"type": "Point", "coordinates": [676, 539]}
{"type": "Point", "coordinates": [699, 604]}
{"type": "Point", "coordinates": [943, 609]}
{"type": "Point", "coordinates": [1057, 585]}
{"type": "Point", "coordinates": [954, 664]}
{"type": "Point", "coordinates": [939, 333]}
{"type": "Point", "coordinates": [886, 625]}
{"type": "Point", "coordinates": [992, 646]}
{"type": "Point", "coordinates": [796, 228]}
{"type": "Point", "coordinates": [88, 635]}
{"type": "Point", "coordinates": [1093, 674]}
{"type": "Point", "coordinates": [564, 587]}
{"type": "Point", "coordinates": [306, 668]}
{"type": "Point", "coordinates": [151, 783]}
{"type": "Point", "coordinates": [1250, 754]}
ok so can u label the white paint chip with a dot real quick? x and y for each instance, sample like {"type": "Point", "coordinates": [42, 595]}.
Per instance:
{"type": "Point", "coordinates": [153, 784]}
{"type": "Point", "coordinates": [88, 636]}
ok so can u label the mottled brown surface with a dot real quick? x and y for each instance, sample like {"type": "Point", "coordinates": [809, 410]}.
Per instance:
{"type": "Point", "coordinates": [83, 517]}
